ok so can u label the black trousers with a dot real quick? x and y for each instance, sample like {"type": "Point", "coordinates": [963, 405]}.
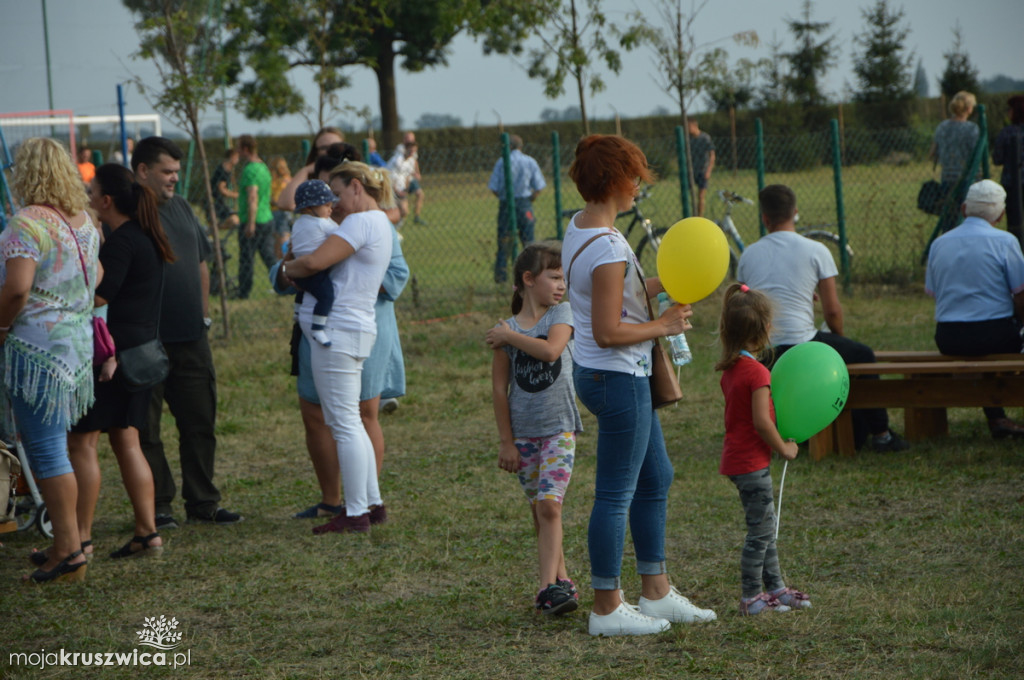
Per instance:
{"type": "Point", "coordinates": [975, 338]}
{"type": "Point", "coordinates": [190, 391]}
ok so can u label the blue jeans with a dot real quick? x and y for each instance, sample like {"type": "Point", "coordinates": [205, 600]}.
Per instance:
{"type": "Point", "coordinates": [525, 222]}
{"type": "Point", "coordinates": [45, 441]}
{"type": "Point", "coordinates": [633, 475]}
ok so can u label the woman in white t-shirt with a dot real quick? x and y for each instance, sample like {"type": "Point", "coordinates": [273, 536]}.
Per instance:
{"type": "Point", "coordinates": [358, 252]}
{"type": "Point", "coordinates": [614, 337]}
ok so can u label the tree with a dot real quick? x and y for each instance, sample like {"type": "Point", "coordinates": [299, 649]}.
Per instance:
{"type": "Point", "coordinates": [882, 64]}
{"type": "Point", "coordinates": [275, 37]}
{"type": "Point", "coordinates": [573, 43]}
{"type": "Point", "coordinates": [1002, 83]}
{"type": "Point", "coordinates": [728, 86]}
{"type": "Point", "coordinates": [569, 113]}
{"type": "Point", "coordinates": [960, 74]}
{"type": "Point", "coordinates": [438, 120]}
{"type": "Point", "coordinates": [671, 37]}
{"type": "Point", "coordinates": [182, 41]}
{"type": "Point", "coordinates": [920, 81]}
{"type": "Point", "coordinates": [378, 34]}
{"type": "Point", "coordinates": [773, 88]}
{"type": "Point", "coordinates": [810, 60]}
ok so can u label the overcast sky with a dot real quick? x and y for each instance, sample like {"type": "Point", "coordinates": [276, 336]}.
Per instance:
{"type": "Point", "coordinates": [91, 43]}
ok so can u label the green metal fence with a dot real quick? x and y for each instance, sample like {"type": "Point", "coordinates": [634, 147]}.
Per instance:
{"type": "Point", "coordinates": [861, 183]}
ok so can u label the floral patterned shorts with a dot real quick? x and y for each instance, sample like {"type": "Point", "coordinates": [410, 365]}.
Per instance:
{"type": "Point", "coordinates": [545, 465]}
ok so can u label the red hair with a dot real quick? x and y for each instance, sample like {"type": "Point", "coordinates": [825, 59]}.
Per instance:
{"type": "Point", "coordinates": [608, 165]}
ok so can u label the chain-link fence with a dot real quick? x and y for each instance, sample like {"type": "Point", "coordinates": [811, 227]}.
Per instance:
{"type": "Point", "coordinates": [451, 250]}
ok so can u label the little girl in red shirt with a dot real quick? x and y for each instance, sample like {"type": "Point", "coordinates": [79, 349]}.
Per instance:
{"type": "Point", "coordinates": [750, 437]}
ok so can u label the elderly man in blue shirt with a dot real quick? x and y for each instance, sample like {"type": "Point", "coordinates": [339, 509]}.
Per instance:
{"type": "Point", "coordinates": [527, 182]}
{"type": "Point", "coordinates": [976, 275]}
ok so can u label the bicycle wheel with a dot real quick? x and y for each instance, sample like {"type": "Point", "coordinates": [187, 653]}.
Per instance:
{"type": "Point", "coordinates": [647, 252]}
{"type": "Point", "coordinates": [830, 240]}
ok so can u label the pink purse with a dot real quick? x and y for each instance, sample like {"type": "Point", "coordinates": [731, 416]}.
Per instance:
{"type": "Point", "coordinates": [102, 342]}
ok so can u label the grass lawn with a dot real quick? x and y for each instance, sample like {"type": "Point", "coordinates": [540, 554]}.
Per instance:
{"type": "Point", "coordinates": [913, 561]}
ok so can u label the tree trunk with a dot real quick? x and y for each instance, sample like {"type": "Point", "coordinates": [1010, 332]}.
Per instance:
{"type": "Point", "coordinates": [211, 213]}
{"type": "Point", "coordinates": [385, 71]}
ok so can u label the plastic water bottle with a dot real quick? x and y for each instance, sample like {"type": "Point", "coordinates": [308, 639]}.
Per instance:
{"type": "Point", "coordinates": [681, 354]}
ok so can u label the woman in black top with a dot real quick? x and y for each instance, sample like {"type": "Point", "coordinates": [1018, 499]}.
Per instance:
{"type": "Point", "coordinates": [132, 258]}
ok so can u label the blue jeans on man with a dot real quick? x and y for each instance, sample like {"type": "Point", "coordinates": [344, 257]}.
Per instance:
{"type": "Point", "coordinates": [525, 222]}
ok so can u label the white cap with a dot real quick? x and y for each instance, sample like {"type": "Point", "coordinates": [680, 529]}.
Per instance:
{"type": "Point", "coordinates": [986, 191]}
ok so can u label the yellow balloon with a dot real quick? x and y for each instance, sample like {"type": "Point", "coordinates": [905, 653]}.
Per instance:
{"type": "Point", "coordinates": [693, 259]}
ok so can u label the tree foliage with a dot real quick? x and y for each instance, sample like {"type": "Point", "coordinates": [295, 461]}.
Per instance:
{"type": "Point", "coordinates": [960, 73]}
{"type": "Point", "coordinates": [276, 37]}
{"type": "Point", "coordinates": [574, 44]}
{"type": "Point", "coordinates": [729, 86]}
{"type": "Point", "coordinates": [881, 60]}
{"type": "Point", "coordinates": [683, 67]}
{"type": "Point", "coordinates": [383, 35]}
{"type": "Point", "coordinates": [429, 121]}
{"type": "Point", "coordinates": [183, 42]}
{"type": "Point", "coordinates": [811, 59]}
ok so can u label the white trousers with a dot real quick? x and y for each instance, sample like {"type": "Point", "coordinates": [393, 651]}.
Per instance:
{"type": "Point", "coordinates": [337, 374]}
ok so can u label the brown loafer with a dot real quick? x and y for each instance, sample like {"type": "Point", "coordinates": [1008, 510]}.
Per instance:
{"type": "Point", "coordinates": [1001, 428]}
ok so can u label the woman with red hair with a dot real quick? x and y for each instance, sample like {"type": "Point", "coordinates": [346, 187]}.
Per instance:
{"type": "Point", "coordinates": [612, 359]}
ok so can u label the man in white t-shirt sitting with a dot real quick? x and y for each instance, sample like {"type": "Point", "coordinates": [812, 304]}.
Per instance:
{"type": "Point", "coordinates": [791, 269]}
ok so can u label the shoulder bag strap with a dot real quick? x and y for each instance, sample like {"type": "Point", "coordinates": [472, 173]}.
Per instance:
{"type": "Point", "coordinates": [582, 248]}
{"type": "Point", "coordinates": [81, 257]}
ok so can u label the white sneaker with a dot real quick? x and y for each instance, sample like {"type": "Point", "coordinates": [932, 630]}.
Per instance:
{"type": "Point", "coordinates": [626, 620]}
{"type": "Point", "coordinates": [676, 608]}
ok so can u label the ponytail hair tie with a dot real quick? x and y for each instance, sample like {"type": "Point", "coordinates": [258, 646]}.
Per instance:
{"type": "Point", "coordinates": [744, 288]}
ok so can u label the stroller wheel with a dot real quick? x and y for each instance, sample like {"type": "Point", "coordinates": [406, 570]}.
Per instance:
{"type": "Point", "coordinates": [43, 522]}
{"type": "Point", "coordinates": [26, 512]}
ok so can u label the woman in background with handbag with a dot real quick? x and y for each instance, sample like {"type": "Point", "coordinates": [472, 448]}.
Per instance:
{"type": "Point", "coordinates": [132, 258]}
{"type": "Point", "coordinates": [46, 333]}
{"type": "Point", "coordinates": [615, 338]}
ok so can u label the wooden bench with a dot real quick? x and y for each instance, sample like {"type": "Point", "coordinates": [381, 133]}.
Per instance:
{"type": "Point", "coordinates": [924, 385]}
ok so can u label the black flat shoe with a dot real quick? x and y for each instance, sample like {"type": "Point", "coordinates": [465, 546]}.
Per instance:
{"type": "Point", "coordinates": [62, 572]}
{"type": "Point", "coordinates": [146, 550]}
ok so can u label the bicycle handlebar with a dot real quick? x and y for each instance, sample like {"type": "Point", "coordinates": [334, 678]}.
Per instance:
{"type": "Point", "coordinates": [641, 195]}
{"type": "Point", "coordinates": [731, 197]}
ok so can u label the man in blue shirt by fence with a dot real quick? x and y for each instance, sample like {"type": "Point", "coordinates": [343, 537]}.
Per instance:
{"type": "Point", "coordinates": [527, 183]}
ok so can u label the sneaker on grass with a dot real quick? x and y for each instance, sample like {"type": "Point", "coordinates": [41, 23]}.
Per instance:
{"type": "Point", "coordinates": [626, 620]}
{"type": "Point", "coordinates": [760, 604]}
{"type": "Point", "coordinates": [555, 599]}
{"type": "Point", "coordinates": [676, 609]}
{"type": "Point", "coordinates": [792, 598]}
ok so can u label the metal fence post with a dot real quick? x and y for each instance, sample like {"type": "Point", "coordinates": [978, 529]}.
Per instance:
{"type": "Point", "coordinates": [556, 171]}
{"type": "Point", "coordinates": [983, 133]}
{"type": "Point", "coordinates": [510, 194]}
{"type": "Point", "coordinates": [366, 150]}
{"type": "Point", "coordinates": [759, 128]}
{"type": "Point", "coordinates": [684, 172]}
{"type": "Point", "coordinates": [837, 174]}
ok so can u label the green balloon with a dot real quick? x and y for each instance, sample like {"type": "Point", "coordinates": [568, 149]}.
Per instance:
{"type": "Point", "coordinates": [810, 385]}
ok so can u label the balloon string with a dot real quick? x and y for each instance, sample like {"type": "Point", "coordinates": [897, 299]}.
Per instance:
{"type": "Point", "coordinates": [778, 513]}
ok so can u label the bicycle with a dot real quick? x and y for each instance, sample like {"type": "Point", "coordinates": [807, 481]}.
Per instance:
{"type": "Point", "coordinates": [648, 237]}
{"type": "Point", "coordinates": [815, 232]}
